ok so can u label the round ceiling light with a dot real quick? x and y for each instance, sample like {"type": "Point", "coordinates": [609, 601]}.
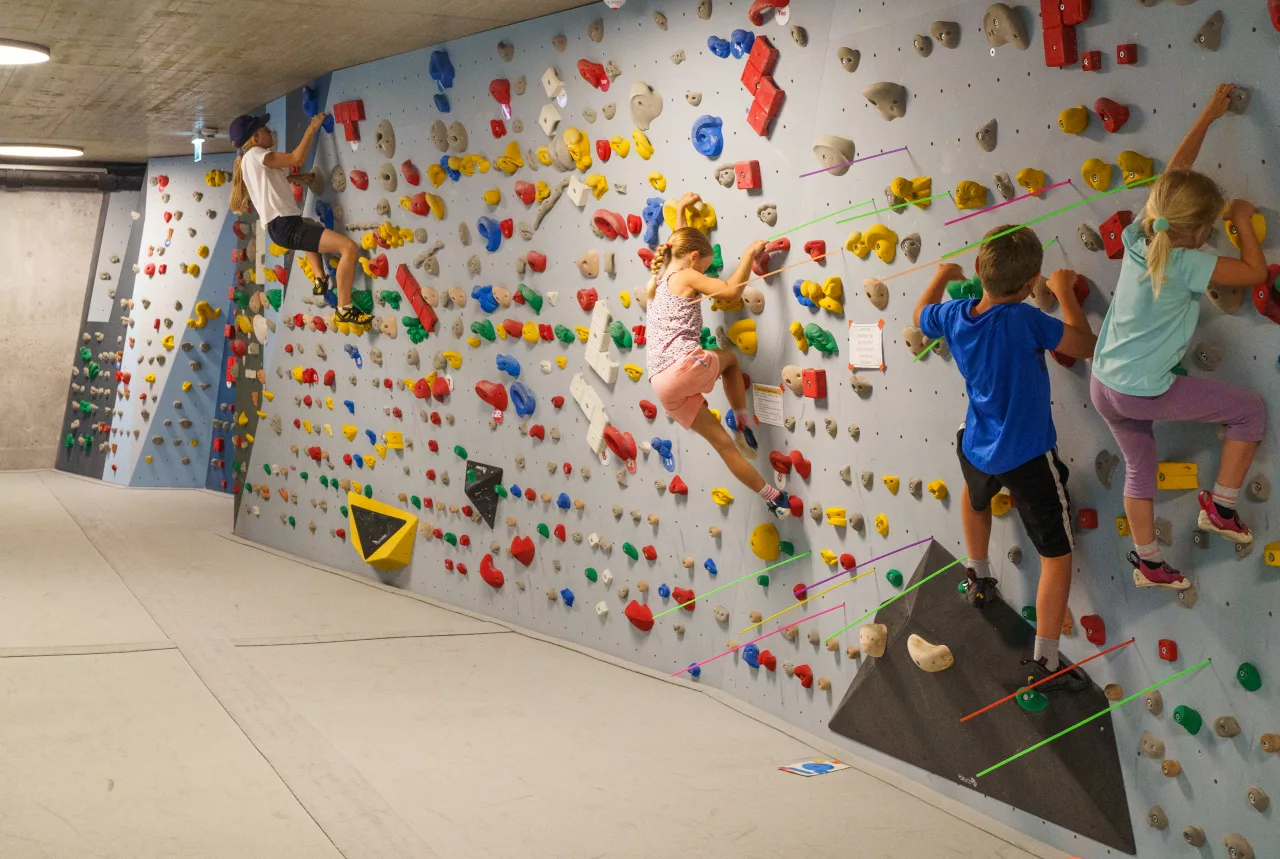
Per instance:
{"type": "Point", "coordinates": [38, 150]}
{"type": "Point", "coordinates": [14, 53]}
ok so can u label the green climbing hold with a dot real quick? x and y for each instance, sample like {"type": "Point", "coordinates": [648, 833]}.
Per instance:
{"type": "Point", "coordinates": [484, 328]}
{"type": "Point", "coordinates": [303, 475]}
{"type": "Point", "coordinates": [266, 469]}
{"type": "Point", "coordinates": [543, 530]}
{"type": "Point", "coordinates": [1032, 701]}
{"type": "Point", "coordinates": [86, 407]}
{"type": "Point", "coordinates": [531, 298]}
{"type": "Point", "coordinates": [70, 442]}
{"type": "Point", "coordinates": [592, 575]}
{"type": "Point", "coordinates": [413, 327]}
{"type": "Point", "coordinates": [717, 262]}
{"type": "Point", "coordinates": [621, 336]}
{"type": "Point", "coordinates": [1188, 718]}
{"type": "Point", "coordinates": [363, 300]}
{"type": "Point", "coordinates": [460, 451]}
{"type": "Point", "coordinates": [630, 551]}
{"type": "Point", "coordinates": [92, 370]}
{"type": "Point", "coordinates": [87, 443]}
{"type": "Point", "coordinates": [763, 580]}
{"type": "Point", "coordinates": [821, 339]}
{"type": "Point", "coordinates": [241, 299]}
{"type": "Point", "coordinates": [85, 354]}
{"type": "Point", "coordinates": [451, 538]}
{"type": "Point", "coordinates": [708, 340]}
{"type": "Point", "coordinates": [368, 491]}
{"type": "Point", "coordinates": [1249, 677]}
{"type": "Point", "coordinates": [275, 297]}
{"type": "Point", "coordinates": [343, 510]}
{"type": "Point", "coordinates": [391, 297]}
{"type": "Point", "coordinates": [786, 547]}
{"type": "Point", "coordinates": [963, 587]}
{"type": "Point", "coordinates": [1029, 613]}
{"type": "Point", "coordinates": [471, 475]}
{"type": "Point", "coordinates": [292, 523]}
{"type": "Point", "coordinates": [564, 334]}
{"type": "Point", "coordinates": [894, 577]}
{"type": "Point", "coordinates": [500, 491]}
{"type": "Point", "coordinates": [415, 501]}
{"type": "Point", "coordinates": [971, 288]}
{"type": "Point", "coordinates": [324, 481]}
{"type": "Point", "coordinates": [1178, 369]}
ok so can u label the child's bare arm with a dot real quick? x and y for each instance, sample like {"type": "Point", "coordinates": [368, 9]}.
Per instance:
{"type": "Point", "coordinates": [1251, 269]}
{"type": "Point", "coordinates": [685, 202]}
{"type": "Point", "coordinates": [298, 156]}
{"type": "Point", "coordinates": [1078, 339]}
{"type": "Point", "coordinates": [732, 288]}
{"type": "Point", "coordinates": [1184, 157]}
{"type": "Point", "coordinates": [946, 273]}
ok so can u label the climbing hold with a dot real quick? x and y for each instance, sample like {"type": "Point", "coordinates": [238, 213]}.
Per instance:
{"type": "Point", "coordinates": [764, 542]}
{"type": "Point", "coordinates": [1258, 798]}
{"type": "Point", "coordinates": [1209, 36]}
{"type": "Point", "coordinates": [849, 59]}
{"type": "Point", "coordinates": [986, 136]}
{"type": "Point", "coordinates": [1151, 745]}
{"type": "Point", "coordinates": [1226, 727]}
{"type": "Point", "coordinates": [873, 638]}
{"type": "Point", "coordinates": [1074, 120]}
{"type": "Point", "coordinates": [923, 44]}
{"type": "Point", "coordinates": [1247, 675]}
{"type": "Point", "coordinates": [1097, 175]}
{"type": "Point", "coordinates": [708, 135]}
{"type": "Point", "coordinates": [834, 153]}
{"type": "Point", "coordinates": [970, 195]}
{"type": "Point", "coordinates": [1134, 166]}
{"type": "Point", "coordinates": [1188, 718]}
{"type": "Point", "coordinates": [1031, 179]}
{"type": "Point", "coordinates": [1170, 768]}
{"type": "Point", "coordinates": [1156, 818]}
{"type": "Point", "coordinates": [1095, 629]}
{"type": "Point", "coordinates": [1258, 222]}
{"type": "Point", "coordinates": [888, 98]}
{"type": "Point", "coordinates": [882, 525]}
{"type": "Point", "coordinates": [1237, 845]}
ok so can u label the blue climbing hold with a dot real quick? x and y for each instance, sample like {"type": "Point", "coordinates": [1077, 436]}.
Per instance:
{"type": "Point", "coordinates": [453, 174]}
{"type": "Point", "coordinates": [490, 232]}
{"type": "Point", "coordinates": [567, 596]}
{"type": "Point", "coordinates": [324, 213]}
{"type": "Point", "coordinates": [371, 435]}
{"type": "Point", "coordinates": [523, 399]}
{"type": "Point", "coordinates": [695, 670]}
{"type": "Point", "coordinates": [506, 363]}
{"type": "Point", "coordinates": [663, 448]}
{"type": "Point", "coordinates": [563, 501]}
{"type": "Point", "coordinates": [718, 46]}
{"type": "Point", "coordinates": [441, 69]}
{"type": "Point", "coordinates": [311, 107]}
{"type": "Point", "coordinates": [710, 566]}
{"type": "Point", "coordinates": [516, 491]}
{"type": "Point", "coordinates": [652, 216]}
{"type": "Point", "coordinates": [804, 302]}
{"type": "Point", "coordinates": [351, 407]}
{"type": "Point", "coordinates": [355, 355]}
{"type": "Point", "coordinates": [751, 655]}
{"type": "Point", "coordinates": [442, 104]}
{"type": "Point", "coordinates": [484, 295]}
{"type": "Point", "coordinates": [664, 591]}
{"type": "Point", "coordinates": [359, 461]}
{"type": "Point", "coordinates": [742, 41]}
{"type": "Point", "coordinates": [708, 135]}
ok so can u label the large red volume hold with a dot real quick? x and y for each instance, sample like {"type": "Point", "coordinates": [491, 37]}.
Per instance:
{"type": "Point", "coordinates": [641, 616]}
{"type": "Point", "coordinates": [492, 575]}
{"type": "Point", "coordinates": [493, 394]}
{"type": "Point", "coordinates": [522, 550]}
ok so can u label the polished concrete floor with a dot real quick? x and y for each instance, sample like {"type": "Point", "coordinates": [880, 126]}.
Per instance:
{"type": "Point", "coordinates": [167, 691]}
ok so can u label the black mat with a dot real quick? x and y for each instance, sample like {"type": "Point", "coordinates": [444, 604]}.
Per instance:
{"type": "Point", "coordinates": [898, 709]}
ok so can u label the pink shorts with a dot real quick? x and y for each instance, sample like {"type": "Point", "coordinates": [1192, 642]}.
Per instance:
{"type": "Point", "coordinates": [681, 386]}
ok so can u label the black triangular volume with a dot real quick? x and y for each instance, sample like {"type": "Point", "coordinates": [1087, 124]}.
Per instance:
{"type": "Point", "coordinates": [912, 715]}
{"type": "Point", "coordinates": [481, 485]}
{"type": "Point", "coordinates": [374, 528]}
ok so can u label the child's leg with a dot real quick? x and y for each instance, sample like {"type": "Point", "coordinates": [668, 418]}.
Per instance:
{"type": "Point", "coordinates": [336, 243]}
{"type": "Point", "coordinates": [317, 265]}
{"type": "Point", "coordinates": [731, 377]}
{"type": "Point", "coordinates": [1137, 445]}
{"type": "Point", "coordinates": [1051, 602]}
{"type": "Point", "coordinates": [706, 425]}
{"type": "Point", "coordinates": [977, 531]}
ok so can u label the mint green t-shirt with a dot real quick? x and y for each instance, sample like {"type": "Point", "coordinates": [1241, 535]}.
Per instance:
{"type": "Point", "coordinates": [1143, 338]}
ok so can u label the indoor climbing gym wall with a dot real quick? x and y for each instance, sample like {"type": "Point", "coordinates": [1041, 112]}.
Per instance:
{"type": "Point", "coordinates": [493, 441]}
{"type": "Point", "coordinates": [144, 406]}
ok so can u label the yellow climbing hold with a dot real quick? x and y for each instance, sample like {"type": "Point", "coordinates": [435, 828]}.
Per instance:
{"type": "Point", "coordinates": [1134, 166]}
{"type": "Point", "coordinates": [1001, 503]}
{"type": "Point", "coordinates": [838, 517]}
{"type": "Point", "coordinates": [970, 195]}
{"type": "Point", "coordinates": [1031, 179]}
{"type": "Point", "coordinates": [297, 373]}
{"type": "Point", "coordinates": [578, 145]}
{"type": "Point", "coordinates": [625, 298]}
{"type": "Point", "coordinates": [882, 525]}
{"type": "Point", "coordinates": [453, 358]}
{"type": "Point", "coordinates": [203, 252]}
{"type": "Point", "coordinates": [395, 439]}
{"type": "Point", "coordinates": [743, 335]}
{"type": "Point", "coordinates": [436, 175]}
{"type": "Point", "coordinates": [764, 541]}
{"type": "Point", "coordinates": [167, 342]}
{"type": "Point", "coordinates": [1074, 120]}
{"type": "Point", "coordinates": [186, 386]}
{"type": "Point", "coordinates": [620, 146]}
{"type": "Point", "coordinates": [829, 557]}
{"type": "Point", "coordinates": [891, 483]}
{"type": "Point", "coordinates": [643, 147]}
{"type": "Point", "coordinates": [598, 184]}
{"type": "Point", "coordinates": [544, 156]}
{"type": "Point", "coordinates": [1259, 227]}
{"type": "Point", "coordinates": [306, 427]}
{"type": "Point", "coordinates": [328, 430]}
{"type": "Point", "coordinates": [938, 490]}
{"type": "Point", "coordinates": [561, 361]}
{"type": "Point", "coordinates": [700, 216]}
{"type": "Point", "coordinates": [1271, 554]}
{"type": "Point", "coordinates": [381, 449]}
{"type": "Point", "coordinates": [511, 159]}
{"type": "Point", "coordinates": [276, 250]}
{"type": "Point", "coordinates": [721, 496]}
{"type": "Point", "coordinates": [1122, 526]}
{"type": "Point", "coordinates": [349, 431]}
{"type": "Point", "coordinates": [541, 190]}
{"type": "Point", "coordinates": [328, 401]}
{"type": "Point", "coordinates": [204, 311]}
{"type": "Point", "coordinates": [530, 332]}
{"type": "Point", "coordinates": [581, 332]}
{"type": "Point", "coordinates": [1096, 174]}
{"type": "Point", "coordinates": [633, 371]}
{"type": "Point", "coordinates": [797, 331]}
{"type": "Point", "coordinates": [658, 181]}
{"type": "Point", "coordinates": [473, 342]}
{"type": "Point", "coordinates": [914, 191]}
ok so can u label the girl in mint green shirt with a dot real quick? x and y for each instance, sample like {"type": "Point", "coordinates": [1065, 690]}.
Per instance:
{"type": "Point", "coordinates": [1146, 332]}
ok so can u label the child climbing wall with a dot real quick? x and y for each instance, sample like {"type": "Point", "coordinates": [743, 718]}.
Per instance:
{"type": "Point", "coordinates": [500, 397]}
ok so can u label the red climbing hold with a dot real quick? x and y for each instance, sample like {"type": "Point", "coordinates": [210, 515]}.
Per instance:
{"type": "Point", "coordinates": [567, 468]}
{"type": "Point", "coordinates": [448, 564]}
{"type": "Point", "coordinates": [1073, 11]}
{"type": "Point", "coordinates": [802, 466]}
{"type": "Point", "coordinates": [1266, 297]}
{"type": "Point", "coordinates": [1273, 7]}
{"type": "Point", "coordinates": [648, 409]}
{"type": "Point", "coordinates": [646, 256]}
{"type": "Point", "coordinates": [422, 389]}
{"type": "Point", "coordinates": [748, 173]}
{"type": "Point", "coordinates": [635, 224]}
{"type": "Point", "coordinates": [603, 151]}
{"type": "Point", "coordinates": [526, 192]}
{"type": "Point", "coordinates": [1112, 239]}
{"type": "Point", "coordinates": [537, 261]}
{"type": "Point", "coordinates": [492, 393]}
{"type": "Point", "coordinates": [847, 561]}
{"type": "Point", "coordinates": [805, 673]}
{"type": "Point", "coordinates": [1087, 518]}
{"type": "Point", "coordinates": [360, 179]}
{"type": "Point", "coordinates": [513, 327]}
{"type": "Point", "coordinates": [1113, 114]}
{"type": "Point", "coordinates": [1168, 649]}
{"type": "Point", "coordinates": [781, 463]}
{"type": "Point", "coordinates": [462, 569]}
{"type": "Point", "coordinates": [610, 224]}
{"type": "Point", "coordinates": [500, 89]}
{"type": "Point", "coordinates": [431, 474]}
{"type": "Point", "coordinates": [530, 495]}
{"type": "Point", "coordinates": [623, 445]}
{"type": "Point", "coordinates": [409, 286]}
{"type": "Point", "coordinates": [1091, 61]}
{"type": "Point", "coordinates": [410, 173]}
{"type": "Point", "coordinates": [587, 299]}
{"type": "Point", "coordinates": [557, 401]}
{"type": "Point", "coordinates": [800, 591]}
{"type": "Point", "coordinates": [756, 13]}
{"type": "Point", "coordinates": [761, 261]}
{"type": "Point", "coordinates": [768, 660]}
{"type": "Point", "coordinates": [546, 332]}
{"type": "Point", "coordinates": [593, 73]}
{"type": "Point", "coordinates": [464, 540]}
{"type": "Point", "coordinates": [492, 575]}
{"type": "Point", "coordinates": [522, 550]}
{"type": "Point", "coordinates": [641, 616]}
{"type": "Point", "coordinates": [559, 531]}
{"type": "Point", "coordinates": [435, 420]}
{"type": "Point", "coordinates": [1127, 54]}
{"type": "Point", "coordinates": [508, 227]}
{"type": "Point", "coordinates": [1095, 629]}
{"type": "Point", "coordinates": [684, 598]}
{"type": "Point", "coordinates": [814, 384]}
{"type": "Point", "coordinates": [538, 431]}
{"type": "Point", "coordinates": [677, 486]}
{"type": "Point", "coordinates": [1060, 47]}
{"type": "Point", "coordinates": [379, 266]}
{"type": "Point", "coordinates": [796, 505]}
{"type": "Point", "coordinates": [816, 249]}
{"type": "Point", "coordinates": [650, 554]}
{"type": "Point", "coordinates": [440, 388]}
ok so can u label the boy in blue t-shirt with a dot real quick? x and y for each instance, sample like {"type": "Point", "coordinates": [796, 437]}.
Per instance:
{"type": "Point", "coordinates": [1008, 438]}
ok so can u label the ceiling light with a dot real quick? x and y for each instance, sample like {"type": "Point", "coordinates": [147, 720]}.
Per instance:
{"type": "Point", "coordinates": [37, 150]}
{"type": "Point", "coordinates": [14, 53]}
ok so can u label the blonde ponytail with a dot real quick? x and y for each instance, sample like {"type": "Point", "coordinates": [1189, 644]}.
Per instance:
{"type": "Point", "coordinates": [240, 202]}
{"type": "Point", "coordinates": [1181, 208]}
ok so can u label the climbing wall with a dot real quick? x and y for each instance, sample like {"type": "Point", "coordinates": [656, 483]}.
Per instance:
{"type": "Point", "coordinates": [577, 537]}
{"type": "Point", "coordinates": [179, 267]}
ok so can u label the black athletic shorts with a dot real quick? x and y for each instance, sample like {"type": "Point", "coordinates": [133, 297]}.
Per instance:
{"type": "Point", "coordinates": [1039, 491]}
{"type": "Point", "coordinates": [296, 233]}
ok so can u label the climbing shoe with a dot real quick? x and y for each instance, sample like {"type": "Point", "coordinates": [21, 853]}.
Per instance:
{"type": "Point", "coordinates": [979, 591]}
{"type": "Point", "coordinates": [1072, 680]}
{"type": "Point", "coordinates": [353, 315]}
{"type": "Point", "coordinates": [320, 287]}
{"type": "Point", "coordinates": [1159, 576]}
{"type": "Point", "coordinates": [1221, 520]}
{"type": "Point", "coordinates": [780, 506]}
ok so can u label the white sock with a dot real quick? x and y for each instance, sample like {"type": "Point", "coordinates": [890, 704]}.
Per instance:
{"type": "Point", "coordinates": [769, 493]}
{"type": "Point", "coordinates": [1047, 649]}
{"type": "Point", "coordinates": [981, 566]}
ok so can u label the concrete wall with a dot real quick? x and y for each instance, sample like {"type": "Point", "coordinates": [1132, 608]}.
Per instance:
{"type": "Point", "coordinates": [47, 241]}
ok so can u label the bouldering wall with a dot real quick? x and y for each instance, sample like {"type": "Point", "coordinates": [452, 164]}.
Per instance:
{"type": "Point", "coordinates": [512, 232]}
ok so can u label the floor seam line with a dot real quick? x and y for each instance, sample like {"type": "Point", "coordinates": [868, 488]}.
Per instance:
{"type": "Point", "coordinates": [256, 643]}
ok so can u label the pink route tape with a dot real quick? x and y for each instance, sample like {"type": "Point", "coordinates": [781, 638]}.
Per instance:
{"type": "Point", "coordinates": [754, 640]}
{"type": "Point", "coordinates": [1006, 203]}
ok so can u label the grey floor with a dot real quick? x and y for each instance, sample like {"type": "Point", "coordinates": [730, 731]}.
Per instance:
{"type": "Point", "coordinates": [166, 691]}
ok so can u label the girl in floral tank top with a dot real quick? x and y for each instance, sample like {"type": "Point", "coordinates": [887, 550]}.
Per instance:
{"type": "Point", "coordinates": [680, 370]}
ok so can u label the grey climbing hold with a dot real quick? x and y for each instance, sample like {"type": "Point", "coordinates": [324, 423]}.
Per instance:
{"type": "Point", "coordinates": [595, 30]}
{"type": "Point", "coordinates": [338, 179]}
{"type": "Point", "coordinates": [1015, 555]}
{"type": "Point", "coordinates": [1209, 36]}
{"type": "Point", "coordinates": [1089, 237]}
{"type": "Point", "coordinates": [609, 110]}
{"type": "Point", "coordinates": [913, 338]}
{"type": "Point", "coordinates": [646, 104]}
{"type": "Point", "coordinates": [1207, 356]}
{"type": "Point", "coordinates": [893, 201]}
{"type": "Point", "coordinates": [457, 137]}
{"type": "Point", "coordinates": [589, 115]}
{"type": "Point", "coordinates": [946, 32]}
{"type": "Point", "coordinates": [860, 386]}
{"type": "Point", "coordinates": [889, 98]}
{"type": "Point", "coordinates": [923, 44]}
{"type": "Point", "coordinates": [390, 180]}
{"type": "Point", "coordinates": [1193, 835]}
{"type": "Point", "coordinates": [1258, 798]}
{"type": "Point", "coordinates": [693, 97]}
{"type": "Point", "coordinates": [1238, 847]}
{"type": "Point", "coordinates": [1226, 727]}
{"type": "Point", "coordinates": [725, 175]}
{"type": "Point", "coordinates": [1260, 487]}
{"type": "Point", "coordinates": [849, 59]}
{"type": "Point", "coordinates": [439, 136]}
{"type": "Point", "coordinates": [834, 153]}
{"type": "Point", "coordinates": [986, 136]}
{"type": "Point", "coordinates": [704, 9]}
{"type": "Point", "coordinates": [384, 139]}
{"type": "Point", "coordinates": [1005, 186]}
{"type": "Point", "coordinates": [877, 292]}
{"type": "Point", "coordinates": [799, 35]}
{"type": "Point", "coordinates": [1154, 702]}
{"type": "Point", "coordinates": [910, 245]}
{"type": "Point", "coordinates": [1164, 531]}
{"type": "Point", "coordinates": [1104, 466]}
{"type": "Point", "coordinates": [1004, 26]}
{"type": "Point", "coordinates": [660, 20]}
{"type": "Point", "coordinates": [768, 213]}
{"type": "Point", "coordinates": [867, 478]}
{"type": "Point", "coordinates": [1156, 818]}
{"type": "Point", "coordinates": [677, 57]}
{"type": "Point", "coordinates": [520, 85]}
{"type": "Point", "coordinates": [1151, 745]}
{"type": "Point", "coordinates": [1240, 97]}
{"type": "Point", "coordinates": [507, 51]}
{"type": "Point", "coordinates": [559, 43]}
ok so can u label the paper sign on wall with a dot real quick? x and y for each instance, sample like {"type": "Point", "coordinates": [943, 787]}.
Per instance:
{"type": "Point", "coordinates": [866, 346]}
{"type": "Point", "coordinates": [768, 403]}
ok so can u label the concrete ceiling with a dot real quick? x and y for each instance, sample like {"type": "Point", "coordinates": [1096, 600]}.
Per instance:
{"type": "Point", "coordinates": [130, 79]}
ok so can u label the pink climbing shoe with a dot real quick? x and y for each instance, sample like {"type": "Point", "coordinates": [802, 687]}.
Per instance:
{"type": "Point", "coordinates": [1163, 576]}
{"type": "Point", "coordinates": [1211, 520]}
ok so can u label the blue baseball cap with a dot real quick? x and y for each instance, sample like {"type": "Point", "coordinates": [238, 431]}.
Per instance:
{"type": "Point", "coordinates": [244, 127]}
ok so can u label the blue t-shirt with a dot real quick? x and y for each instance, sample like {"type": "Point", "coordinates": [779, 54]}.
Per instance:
{"type": "Point", "coordinates": [1001, 356]}
{"type": "Point", "coordinates": [1144, 337]}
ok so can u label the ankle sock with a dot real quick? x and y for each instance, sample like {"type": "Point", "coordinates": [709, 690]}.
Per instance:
{"type": "Point", "coordinates": [1047, 652]}
{"type": "Point", "coordinates": [981, 566]}
{"type": "Point", "coordinates": [1225, 499]}
{"type": "Point", "coordinates": [769, 493]}
{"type": "Point", "coordinates": [1149, 554]}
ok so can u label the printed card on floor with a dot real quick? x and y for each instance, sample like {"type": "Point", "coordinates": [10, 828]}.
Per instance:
{"type": "Point", "coordinates": [817, 766]}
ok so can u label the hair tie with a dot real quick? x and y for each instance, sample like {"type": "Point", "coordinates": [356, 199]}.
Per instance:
{"type": "Point", "coordinates": [1160, 225]}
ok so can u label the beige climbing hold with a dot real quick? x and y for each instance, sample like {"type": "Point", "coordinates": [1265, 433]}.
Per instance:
{"type": "Point", "coordinates": [929, 657]}
{"type": "Point", "coordinates": [1151, 745]}
{"type": "Point", "coordinates": [1113, 692]}
{"type": "Point", "coordinates": [852, 652]}
{"type": "Point", "coordinates": [1171, 768]}
{"type": "Point", "coordinates": [1156, 818]}
{"type": "Point", "coordinates": [873, 637]}
{"type": "Point", "coordinates": [1238, 847]}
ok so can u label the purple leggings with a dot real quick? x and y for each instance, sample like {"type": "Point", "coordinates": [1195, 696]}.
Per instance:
{"type": "Point", "coordinates": [1190, 399]}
